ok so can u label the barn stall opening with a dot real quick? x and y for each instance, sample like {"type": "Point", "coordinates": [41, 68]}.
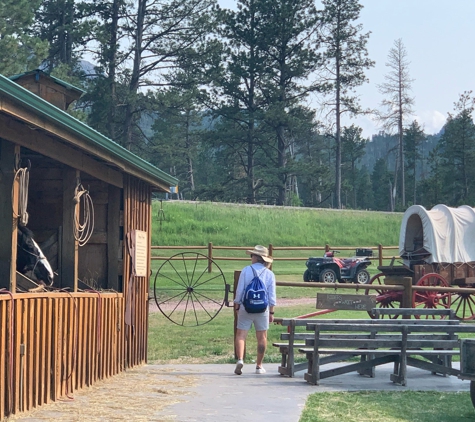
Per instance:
{"type": "Point", "coordinates": [88, 202]}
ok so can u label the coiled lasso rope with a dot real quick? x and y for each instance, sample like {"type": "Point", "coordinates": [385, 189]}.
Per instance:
{"type": "Point", "coordinates": [23, 176]}
{"type": "Point", "coordinates": [83, 230]}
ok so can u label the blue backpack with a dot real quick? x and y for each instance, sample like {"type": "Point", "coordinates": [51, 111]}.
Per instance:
{"type": "Point", "coordinates": [255, 295]}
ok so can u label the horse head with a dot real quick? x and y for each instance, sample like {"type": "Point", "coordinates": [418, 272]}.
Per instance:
{"type": "Point", "coordinates": [30, 259]}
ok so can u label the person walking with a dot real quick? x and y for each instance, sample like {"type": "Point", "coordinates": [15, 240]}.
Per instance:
{"type": "Point", "coordinates": [260, 261]}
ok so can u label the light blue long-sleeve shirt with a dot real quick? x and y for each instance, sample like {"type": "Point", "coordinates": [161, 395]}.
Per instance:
{"type": "Point", "coordinates": [267, 277]}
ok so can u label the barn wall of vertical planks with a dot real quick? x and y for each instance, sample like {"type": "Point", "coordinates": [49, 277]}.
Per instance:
{"type": "Point", "coordinates": [93, 322]}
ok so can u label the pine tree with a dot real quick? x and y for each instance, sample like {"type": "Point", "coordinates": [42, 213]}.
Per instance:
{"type": "Point", "coordinates": [158, 33]}
{"type": "Point", "coordinates": [381, 182]}
{"type": "Point", "coordinates": [398, 107]}
{"type": "Point", "coordinates": [353, 149]}
{"type": "Point", "coordinates": [64, 25]}
{"type": "Point", "coordinates": [413, 139]}
{"type": "Point", "coordinates": [20, 50]}
{"type": "Point", "coordinates": [289, 36]}
{"type": "Point", "coordinates": [458, 146]}
{"type": "Point", "coordinates": [345, 60]}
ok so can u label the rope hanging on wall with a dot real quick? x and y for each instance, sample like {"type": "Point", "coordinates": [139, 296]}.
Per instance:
{"type": "Point", "coordinates": [23, 177]}
{"type": "Point", "coordinates": [83, 229]}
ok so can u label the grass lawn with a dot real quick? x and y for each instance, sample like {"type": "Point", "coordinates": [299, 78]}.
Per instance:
{"type": "Point", "coordinates": [236, 225]}
{"type": "Point", "coordinates": [410, 406]}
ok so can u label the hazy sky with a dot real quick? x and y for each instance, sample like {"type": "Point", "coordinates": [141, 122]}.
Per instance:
{"type": "Point", "coordinates": [438, 36]}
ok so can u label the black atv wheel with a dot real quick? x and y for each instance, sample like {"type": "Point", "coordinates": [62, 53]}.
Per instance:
{"type": "Point", "coordinates": [306, 275]}
{"type": "Point", "coordinates": [362, 277]}
{"type": "Point", "coordinates": [328, 276]}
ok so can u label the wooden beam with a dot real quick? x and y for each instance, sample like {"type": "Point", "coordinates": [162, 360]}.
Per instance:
{"type": "Point", "coordinates": [8, 203]}
{"type": "Point", "coordinates": [113, 238]}
{"type": "Point", "coordinates": [69, 245]}
{"type": "Point", "coordinates": [34, 120]}
{"type": "Point", "coordinates": [39, 141]}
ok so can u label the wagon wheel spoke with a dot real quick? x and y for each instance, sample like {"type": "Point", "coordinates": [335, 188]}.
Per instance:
{"type": "Point", "coordinates": [464, 306]}
{"type": "Point", "coordinates": [385, 298]}
{"type": "Point", "coordinates": [431, 299]}
{"type": "Point", "coordinates": [184, 291]}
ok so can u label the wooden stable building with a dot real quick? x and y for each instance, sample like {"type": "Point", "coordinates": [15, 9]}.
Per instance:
{"type": "Point", "coordinates": [92, 323]}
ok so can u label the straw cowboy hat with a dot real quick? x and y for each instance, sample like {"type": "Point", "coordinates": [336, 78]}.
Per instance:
{"type": "Point", "coordinates": [262, 251]}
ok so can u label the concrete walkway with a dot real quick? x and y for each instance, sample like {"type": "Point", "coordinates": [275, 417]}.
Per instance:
{"type": "Point", "coordinates": [213, 393]}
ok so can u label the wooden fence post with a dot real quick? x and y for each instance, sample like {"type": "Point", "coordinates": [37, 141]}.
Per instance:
{"type": "Point", "coordinates": [210, 257]}
{"type": "Point", "coordinates": [327, 247]}
{"type": "Point", "coordinates": [270, 254]}
{"type": "Point", "coordinates": [406, 282]}
{"type": "Point", "coordinates": [380, 253]}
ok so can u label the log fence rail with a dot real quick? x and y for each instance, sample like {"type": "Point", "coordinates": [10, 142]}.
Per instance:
{"type": "Point", "coordinates": [378, 252]}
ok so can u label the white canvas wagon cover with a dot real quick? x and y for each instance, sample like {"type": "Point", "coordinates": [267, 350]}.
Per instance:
{"type": "Point", "coordinates": [439, 235]}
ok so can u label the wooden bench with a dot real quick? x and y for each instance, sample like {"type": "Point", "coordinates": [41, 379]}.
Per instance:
{"type": "Point", "coordinates": [292, 341]}
{"type": "Point", "coordinates": [426, 344]}
{"type": "Point", "coordinates": [423, 313]}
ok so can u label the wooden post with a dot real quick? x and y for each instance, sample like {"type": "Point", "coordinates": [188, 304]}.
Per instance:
{"type": "Point", "coordinates": [327, 247]}
{"type": "Point", "coordinates": [8, 205]}
{"type": "Point", "coordinates": [406, 300]}
{"type": "Point", "coordinates": [380, 253]}
{"type": "Point", "coordinates": [113, 238]}
{"type": "Point", "coordinates": [270, 254]}
{"type": "Point", "coordinates": [210, 257]}
{"type": "Point", "coordinates": [69, 249]}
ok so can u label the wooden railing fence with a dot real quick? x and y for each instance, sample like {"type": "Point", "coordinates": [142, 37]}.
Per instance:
{"type": "Point", "coordinates": [208, 251]}
{"type": "Point", "coordinates": [53, 344]}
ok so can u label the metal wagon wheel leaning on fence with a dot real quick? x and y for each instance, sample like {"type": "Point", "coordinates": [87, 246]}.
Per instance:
{"type": "Point", "coordinates": [186, 293]}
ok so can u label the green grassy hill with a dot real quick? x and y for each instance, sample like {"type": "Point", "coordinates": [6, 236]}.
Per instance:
{"type": "Point", "coordinates": [197, 223]}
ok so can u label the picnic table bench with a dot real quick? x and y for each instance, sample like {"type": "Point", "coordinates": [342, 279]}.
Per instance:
{"type": "Point", "coordinates": [292, 341]}
{"type": "Point", "coordinates": [427, 343]}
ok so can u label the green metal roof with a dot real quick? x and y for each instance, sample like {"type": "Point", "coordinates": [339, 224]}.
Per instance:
{"type": "Point", "coordinates": [50, 112]}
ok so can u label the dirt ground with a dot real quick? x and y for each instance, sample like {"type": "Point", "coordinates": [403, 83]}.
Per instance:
{"type": "Point", "coordinates": [281, 302]}
{"type": "Point", "coordinates": [142, 392]}
{"type": "Point", "coordinates": [138, 394]}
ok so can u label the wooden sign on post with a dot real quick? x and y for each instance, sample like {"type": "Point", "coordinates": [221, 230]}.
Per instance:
{"type": "Point", "coordinates": [346, 302]}
{"type": "Point", "coordinates": [138, 249]}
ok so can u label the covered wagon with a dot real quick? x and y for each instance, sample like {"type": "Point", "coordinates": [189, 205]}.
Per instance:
{"type": "Point", "coordinates": [437, 248]}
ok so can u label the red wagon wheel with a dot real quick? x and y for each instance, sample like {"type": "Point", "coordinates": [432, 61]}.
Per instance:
{"type": "Point", "coordinates": [431, 299]}
{"type": "Point", "coordinates": [385, 298]}
{"type": "Point", "coordinates": [464, 306]}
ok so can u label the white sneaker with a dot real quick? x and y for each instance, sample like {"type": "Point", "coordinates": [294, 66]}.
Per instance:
{"type": "Point", "coordinates": [260, 370]}
{"type": "Point", "coordinates": [239, 365]}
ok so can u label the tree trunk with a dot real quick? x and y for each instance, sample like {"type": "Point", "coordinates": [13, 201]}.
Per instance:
{"type": "Point", "coordinates": [281, 165]}
{"type": "Point", "coordinates": [191, 177]}
{"type": "Point", "coordinates": [135, 77]}
{"type": "Point", "coordinates": [113, 68]}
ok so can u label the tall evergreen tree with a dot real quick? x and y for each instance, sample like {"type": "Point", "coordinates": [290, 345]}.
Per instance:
{"type": "Point", "coordinates": [63, 24]}
{"type": "Point", "coordinates": [381, 183]}
{"type": "Point", "coordinates": [158, 33]}
{"type": "Point", "coordinates": [353, 149]}
{"type": "Point", "coordinates": [289, 36]}
{"type": "Point", "coordinates": [345, 60]}
{"type": "Point", "coordinates": [413, 140]}
{"type": "Point", "coordinates": [458, 146]}
{"type": "Point", "coordinates": [106, 90]}
{"type": "Point", "coordinates": [238, 98]}
{"type": "Point", "coordinates": [398, 107]}
{"type": "Point", "coordinates": [268, 59]}
{"type": "Point", "coordinates": [20, 51]}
